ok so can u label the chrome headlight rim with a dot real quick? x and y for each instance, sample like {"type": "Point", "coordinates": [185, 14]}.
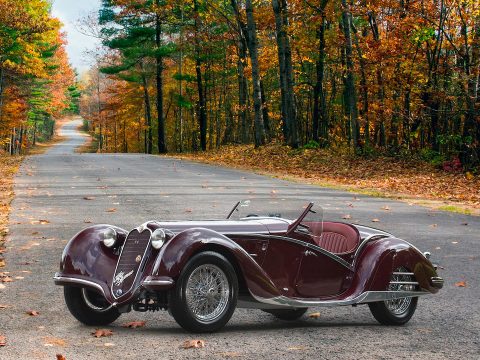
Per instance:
{"type": "Point", "coordinates": [110, 237]}
{"type": "Point", "coordinates": [158, 238]}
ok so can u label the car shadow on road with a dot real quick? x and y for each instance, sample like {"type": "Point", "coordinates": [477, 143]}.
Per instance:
{"type": "Point", "coordinates": [275, 325]}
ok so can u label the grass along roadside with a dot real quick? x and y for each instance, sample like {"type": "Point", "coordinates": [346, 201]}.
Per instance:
{"type": "Point", "coordinates": [407, 180]}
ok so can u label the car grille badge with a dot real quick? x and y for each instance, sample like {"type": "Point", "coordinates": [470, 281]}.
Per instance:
{"type": "Point", "coordinates": [121, 277]}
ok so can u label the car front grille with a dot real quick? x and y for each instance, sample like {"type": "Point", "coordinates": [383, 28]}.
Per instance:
{"type": "Point", "coordinates": [131, 259]}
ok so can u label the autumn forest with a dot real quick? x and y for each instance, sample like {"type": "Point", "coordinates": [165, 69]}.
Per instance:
{"type": "Point", "coordinates": [396, 77]}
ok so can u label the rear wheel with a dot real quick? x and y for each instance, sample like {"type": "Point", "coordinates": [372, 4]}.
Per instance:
{"type": "Point", "coordinates": [89, 307]}
{"type": "Point", "coordinates": [287, 314]}
{"type": "Point", "coordinates": [397, 311]}
{"type": "Point", "coordinates": [205, 296]}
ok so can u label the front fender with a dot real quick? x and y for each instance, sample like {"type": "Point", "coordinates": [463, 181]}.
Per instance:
{"type": "Point", "coordinates": [175, 254]}
{"type": "Point", "coordinates": [87, 262]}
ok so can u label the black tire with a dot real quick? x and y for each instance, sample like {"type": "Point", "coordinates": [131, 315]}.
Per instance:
{"type": "Point", "coordinates": [384, 316]}
{"type": "Point", "coordinates": [287, 314]}
{"type": "Point", "coordinates": [89, 307]}
{"type": "Point", "coordinates": [180, 301]}
{"type": "Point", "coordinates": [396, 312]}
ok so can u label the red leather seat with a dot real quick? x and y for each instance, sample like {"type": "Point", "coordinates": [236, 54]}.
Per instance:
{"type": "Point", "coordinates": [338, 238]}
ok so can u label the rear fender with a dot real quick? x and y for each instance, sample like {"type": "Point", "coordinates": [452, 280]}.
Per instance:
{"type": "Point", "coordinates": [175, 254]}
{"type": "Point", "coordinates": [86, 260]}
{"type": "Point", "coordinates": [380, 258]}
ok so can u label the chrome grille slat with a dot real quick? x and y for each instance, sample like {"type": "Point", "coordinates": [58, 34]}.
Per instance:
{"type": "Point", "coordinates": [135, 245]}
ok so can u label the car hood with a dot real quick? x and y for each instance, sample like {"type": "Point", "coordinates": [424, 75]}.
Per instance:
{"type": "Point", "coordinates": [253, 226]}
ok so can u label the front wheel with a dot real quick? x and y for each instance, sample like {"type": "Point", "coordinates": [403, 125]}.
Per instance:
{"type": "Point", "coordinates": [398, 311]}
{"type": "Point", "coordinates": [89, 307]}
{"type": "Point", "coordinates": [205, 296]}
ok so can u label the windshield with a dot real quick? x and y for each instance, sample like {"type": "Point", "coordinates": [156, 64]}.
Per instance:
{"type": "Point", "coordinates": [285, 208]}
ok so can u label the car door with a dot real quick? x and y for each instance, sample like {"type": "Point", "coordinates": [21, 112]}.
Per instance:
{"type": "Point", "coordinates": [282, 262]}
{"type": "Point", "coordinates": [322, 274]}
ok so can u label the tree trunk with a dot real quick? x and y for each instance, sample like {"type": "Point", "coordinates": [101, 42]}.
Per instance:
{"type": "Point", "coordinates": [266, 117]}
{"type": "Point", "coordinates": [242, 80]}
{"type": "Point", "coordinates": [202, 111]}
{"type": "Point", "coordinates": [257, 92]}
{"type": "Point", "coordinates": [350, 91]}
{"type": "Point", "coordinates": [162, 146]}
{"type": "Point", "coordinates": [289, 110]}
{"type": "Point", "coordinates": [320, 117]}
{"type": "Point", "coordinates": [148, 114]}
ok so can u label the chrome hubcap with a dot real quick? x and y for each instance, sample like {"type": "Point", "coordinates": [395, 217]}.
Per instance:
{"type": "Point", "coordinates": [207, 293]}
{"type": "Point", "coordinates": [400, 306]}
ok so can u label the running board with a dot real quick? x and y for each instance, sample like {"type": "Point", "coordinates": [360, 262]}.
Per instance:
{"type": "Point", "coordinates": [366, 297]}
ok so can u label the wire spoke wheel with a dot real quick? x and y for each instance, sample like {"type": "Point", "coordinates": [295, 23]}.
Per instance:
{"type": "Point", "coordinates": [207, 292]}
{"type": "Point", "coordinates": [396, 311]}
{"type": "Point", "coordinates": [400, 306]}
{"type": "Point", "coordinates": [205, 295]}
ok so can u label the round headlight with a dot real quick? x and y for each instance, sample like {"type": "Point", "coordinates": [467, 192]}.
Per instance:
{"type": "Point", "coordinates": [109, 237]}
{"type": "Point", "coordinates": [158, 239]}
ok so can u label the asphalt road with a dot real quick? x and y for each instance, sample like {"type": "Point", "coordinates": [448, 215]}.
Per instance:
{"type": "Point", "coordinates": [52, 187]}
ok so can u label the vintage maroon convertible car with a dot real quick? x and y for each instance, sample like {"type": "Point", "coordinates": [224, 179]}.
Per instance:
{"type": "Point", "coordinates": [200, 271]}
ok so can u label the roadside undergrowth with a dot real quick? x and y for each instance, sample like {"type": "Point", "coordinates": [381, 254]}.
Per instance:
{"type": "Point", "coordinates": [404, 179]}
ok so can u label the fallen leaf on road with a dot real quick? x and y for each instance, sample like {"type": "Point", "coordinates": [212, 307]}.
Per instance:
{"type": "Point", "coordinates": [112, 210]}
{"type": "Point", "coordinates": [2, 286]}
{"type": "Point", "coordinates": [102, 333]}
{"type": "Point", "coordinates": [86, 221]}
{"type": "Point", "coordinates": [4, 306]}
{"type": "Point", "coordinates": [314, 315]}
{"type": "Point", "coordinates": [2, 263]}
{"type": "Point", "coordinates": [188, 210]}
{"type": "Point", "coordinates": [44, 222]}
{"type": "Point", "coordinates": [6, 279]}
{"type": "Point", "coordinates": [33, 313]}
{"type": "Point", "coordinates": [346, 217]}
{"type": "Point", "coordinates": [433, 225]}
{"type": "Point", "coordinates": [461, 284]}
{"type": "Point", "coordinates": [61, 357]}
{"type": "Point", "coordinates": [375, 220]}
{"type": "Point", "coordinates": [3, 340]}
{"type": "Point", "coordinates": [386, 208]}
{"type": "Point", "coordinates": [88, 198]}
{"type": "Point", "coordinates": [195, 344]}
{"type": "Point", "coordinates": [134, 324]}
{"type": "Point", "coordinates": [52, 341]}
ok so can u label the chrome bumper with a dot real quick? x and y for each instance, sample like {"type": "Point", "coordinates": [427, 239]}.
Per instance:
{"type": "Point", "coordinates": [437, 282]}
